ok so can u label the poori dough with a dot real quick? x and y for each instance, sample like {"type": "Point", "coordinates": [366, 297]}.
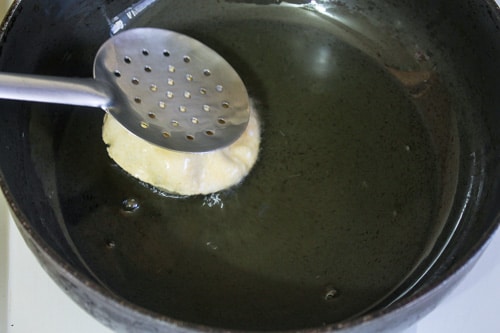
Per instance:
{"type": "Point", "coordinates": [179, 172]}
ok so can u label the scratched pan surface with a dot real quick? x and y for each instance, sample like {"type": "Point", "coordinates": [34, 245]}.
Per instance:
{"type": "Point", "coordinates": [374, 142]}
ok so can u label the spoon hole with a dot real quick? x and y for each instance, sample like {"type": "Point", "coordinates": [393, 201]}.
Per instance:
{"type": "Point", "coordinates": [166, 53]}
{"type": "Point", "coordinates": [145, 52]}
{"type": "Point", "coordinates": [117, 73]}
{"type": "Point", "coordinates": [127, 60]}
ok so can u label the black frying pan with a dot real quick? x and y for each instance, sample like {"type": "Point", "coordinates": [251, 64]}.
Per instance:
{"type": "Point", "coordinates": [377, 180]}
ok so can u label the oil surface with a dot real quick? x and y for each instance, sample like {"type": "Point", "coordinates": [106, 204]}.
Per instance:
{"type": "Point", "coordinates": [338, 210]}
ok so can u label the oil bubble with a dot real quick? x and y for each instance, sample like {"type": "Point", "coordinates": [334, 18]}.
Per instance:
{"type": "Point", "coordinates": [130, 205]}
{"type": "Point", "coordinates": [330, 293]}
{"type": "Point", "coordinates": [212, 245]}
{"type": "Point", "coordinates": [110, 244]}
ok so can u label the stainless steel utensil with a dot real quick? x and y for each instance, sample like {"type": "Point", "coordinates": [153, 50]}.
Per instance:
{"type": "Point", "coordinates": [165, 87]}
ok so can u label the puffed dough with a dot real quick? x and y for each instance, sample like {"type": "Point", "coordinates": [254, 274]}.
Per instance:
{"type": "Point", "coordinates": [183, 173]}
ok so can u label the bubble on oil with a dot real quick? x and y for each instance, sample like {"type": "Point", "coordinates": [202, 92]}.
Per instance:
{"type": "Point", "coordinates": [130, 205]}
{"type": "Point", "coordinates": [212, 245]}
{"type": "Point", "coordinates": [331, 294]}
{"type": "Point", "coordinates": [213, 200]}
{"type": "Point", "coordinates": [110, 244]}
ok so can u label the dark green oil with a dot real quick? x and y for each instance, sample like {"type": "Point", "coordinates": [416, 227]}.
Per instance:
{"type": "Point", "coordinates": [339, 208]}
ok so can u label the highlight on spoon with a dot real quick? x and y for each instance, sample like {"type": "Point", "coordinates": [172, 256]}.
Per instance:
{"type": "Point", "coordinates": [177, 79]}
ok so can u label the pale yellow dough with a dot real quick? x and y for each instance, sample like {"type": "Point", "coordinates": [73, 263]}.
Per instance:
{"type": "Point", "coordinates": [183, 173]}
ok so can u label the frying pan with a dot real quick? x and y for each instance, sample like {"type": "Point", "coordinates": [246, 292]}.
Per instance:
{"type": "Point", "coordinates": [376, 190]}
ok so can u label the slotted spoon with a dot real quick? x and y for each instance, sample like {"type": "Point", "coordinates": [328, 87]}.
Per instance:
{"type": "Point", "coordinates": [165, 87]}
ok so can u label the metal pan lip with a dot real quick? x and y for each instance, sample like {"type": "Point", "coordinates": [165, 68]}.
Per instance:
{"type": "Point", "coordinates": [49, 258]}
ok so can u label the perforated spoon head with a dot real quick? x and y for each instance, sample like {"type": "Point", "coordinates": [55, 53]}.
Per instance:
{"type": "Point", "coordinates": [172, 90]}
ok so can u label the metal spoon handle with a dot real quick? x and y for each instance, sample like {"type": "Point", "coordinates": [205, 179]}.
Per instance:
{"type": "Point", "coordinates": [51, 89]}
